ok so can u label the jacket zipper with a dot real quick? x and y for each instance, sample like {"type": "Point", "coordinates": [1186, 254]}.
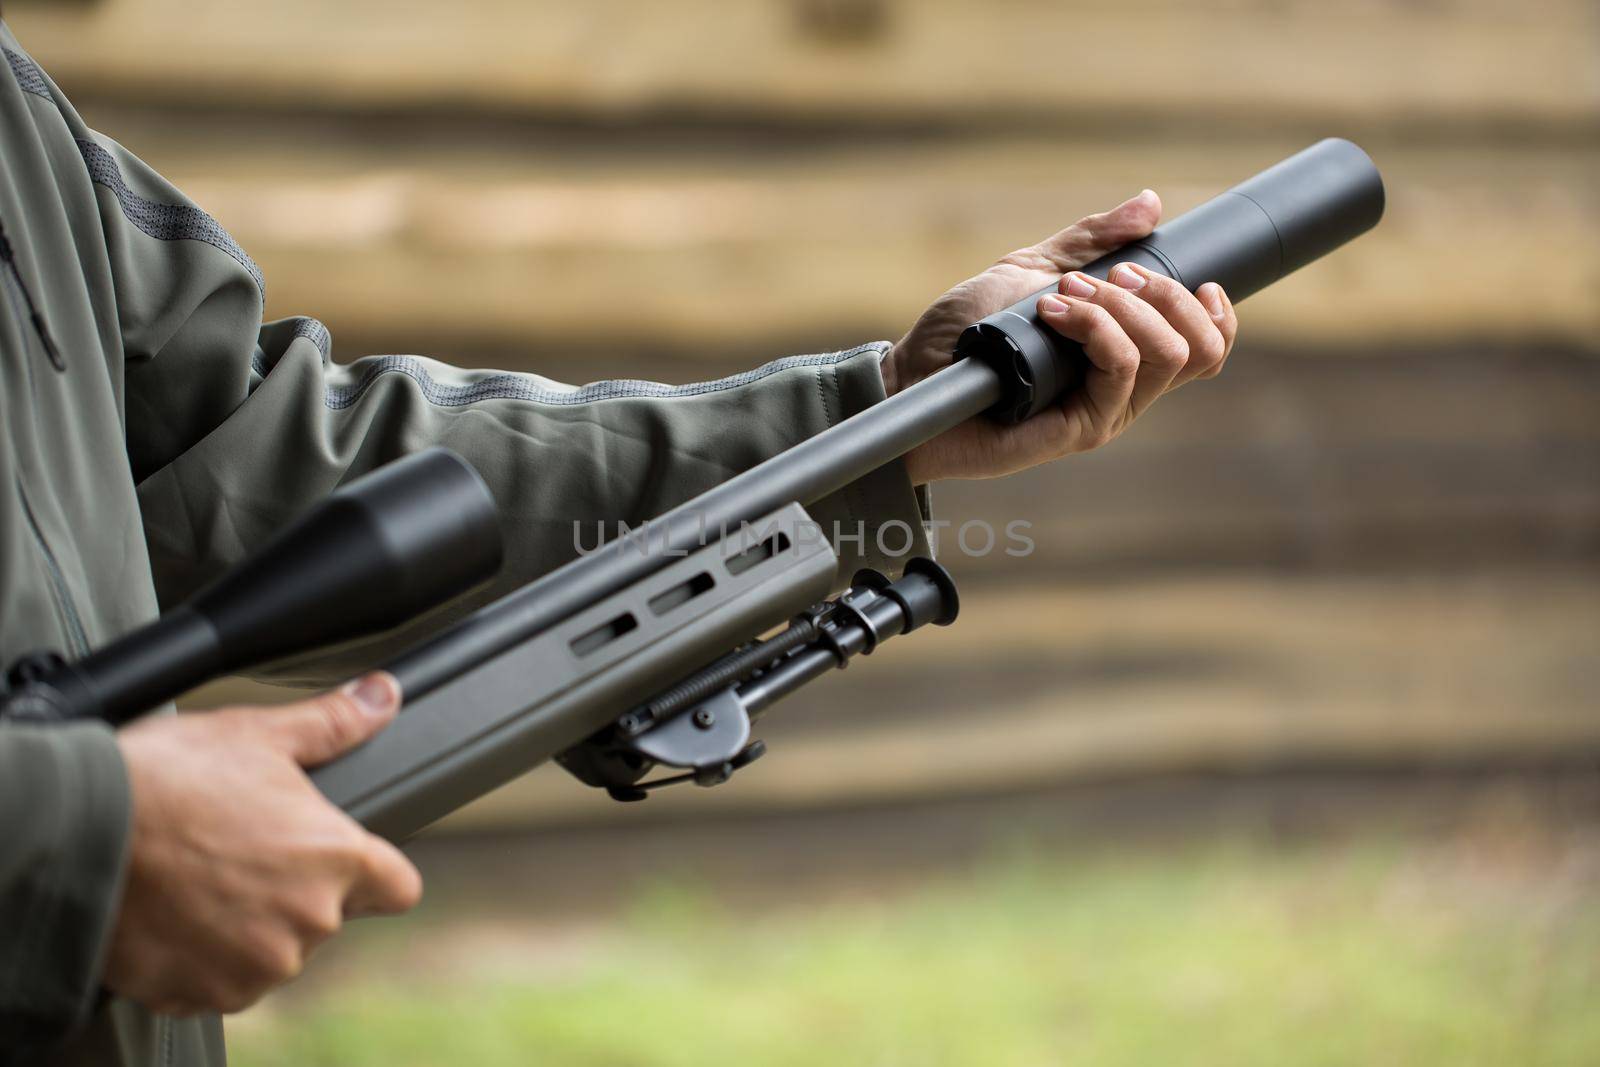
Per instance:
{"type": "Point", "coordinates": [40, 327]}
{"type": "Point", "coordinates": [77, 636]}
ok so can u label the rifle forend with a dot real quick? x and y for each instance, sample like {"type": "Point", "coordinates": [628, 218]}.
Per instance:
{"type": "Point", "coordinates": [517, 709]}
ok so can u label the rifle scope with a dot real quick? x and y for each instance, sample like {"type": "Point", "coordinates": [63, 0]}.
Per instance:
{"type": "Point", "coordinates": [373, 553]}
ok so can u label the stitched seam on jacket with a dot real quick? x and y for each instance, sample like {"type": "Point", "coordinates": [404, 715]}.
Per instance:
{"type": "Point", "coordinates": [519, 387]}
{"type": "Point", "coordinates": [164, 222]}
{"type": "Point", "coordinates": [30, 79]}
{"type": "Point", "coordinates": [315, 332]}
{"type": "Point", "coordinates": [304, 327]}
{"type": "Point", "coordinates": [862, 506]}
{"type": "Point", "coordinates": [832, 421]}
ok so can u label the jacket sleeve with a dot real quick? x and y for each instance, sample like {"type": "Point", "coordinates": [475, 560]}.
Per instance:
{"type": "Point", "coordinates": [63, 834]}
{"type": "Point", "coordinates": [235, 427]}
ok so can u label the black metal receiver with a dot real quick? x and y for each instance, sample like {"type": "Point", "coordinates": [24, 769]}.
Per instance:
{"type": "Point", "coordinates": [619, 660]}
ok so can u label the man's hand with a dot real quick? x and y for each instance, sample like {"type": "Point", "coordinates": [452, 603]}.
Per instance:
{"type": "Point", "coordinates": [238, 867]}
{"type": "Point", "coordinates": [1143, 334]}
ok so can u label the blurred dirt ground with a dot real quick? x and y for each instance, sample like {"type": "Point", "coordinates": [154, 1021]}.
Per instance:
{"type": "Point", "coordinates": [1323, 918]}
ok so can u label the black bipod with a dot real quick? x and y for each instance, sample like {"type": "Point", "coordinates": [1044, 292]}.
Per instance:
{"type": "Point", "coordinates": [702, 724]}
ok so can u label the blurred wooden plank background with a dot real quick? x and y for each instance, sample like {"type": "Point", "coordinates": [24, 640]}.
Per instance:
{"type": "Point", "coordinates": [810, 171]}
{"type": "Point", "coordinates": [939, 61]}
{"type": "Point", "coordinates": [1375, 540]}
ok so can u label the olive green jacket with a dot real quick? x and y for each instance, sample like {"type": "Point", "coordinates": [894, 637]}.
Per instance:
{"type": "Point", "coordinates": [156, 431]}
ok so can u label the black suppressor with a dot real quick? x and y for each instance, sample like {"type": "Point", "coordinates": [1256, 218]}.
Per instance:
{"type": "Point", "coordinates": [1244, 240]}
{"type": "Point", "coordinates": [371, 555]}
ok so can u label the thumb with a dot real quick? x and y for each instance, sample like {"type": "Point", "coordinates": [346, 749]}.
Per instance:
{"type": "Point", "coordinates": [318, 730]}
{"type": "Point", "coordinates": [1094, 235]}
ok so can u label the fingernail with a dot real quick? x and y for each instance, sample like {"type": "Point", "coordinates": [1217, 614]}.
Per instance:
{"type": "Point", "coordinates": [1127, 277]}
{"type": "Point", "coordinates": [1053, 304]}
{"type": "Point", "coordinates": [1078, 285]}
{"type": "Point", "coordinates": [376, 694]}
{"type": "Point", "coordinates": [1211, 296]}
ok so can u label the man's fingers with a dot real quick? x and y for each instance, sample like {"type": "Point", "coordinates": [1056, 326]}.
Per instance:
{"type": "Point", "coordinates": [1187, 314]}
{"type": "Point", "coordinates": [318, 730]}
{"type": "Point", "coordinates": [1163, 352]}
{"type": "Point", "coordinates": [1093, 236]}
{"type": "Point", "coordinates": [1220, 308]}
{"type": "Point", "coordinates": [388, 883]}
{"type": "Point", "coordinates": [1094, 413]}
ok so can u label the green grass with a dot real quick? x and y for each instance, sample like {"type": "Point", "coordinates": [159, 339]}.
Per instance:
{"type": "Point", "coordinates": [1222, 954]}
